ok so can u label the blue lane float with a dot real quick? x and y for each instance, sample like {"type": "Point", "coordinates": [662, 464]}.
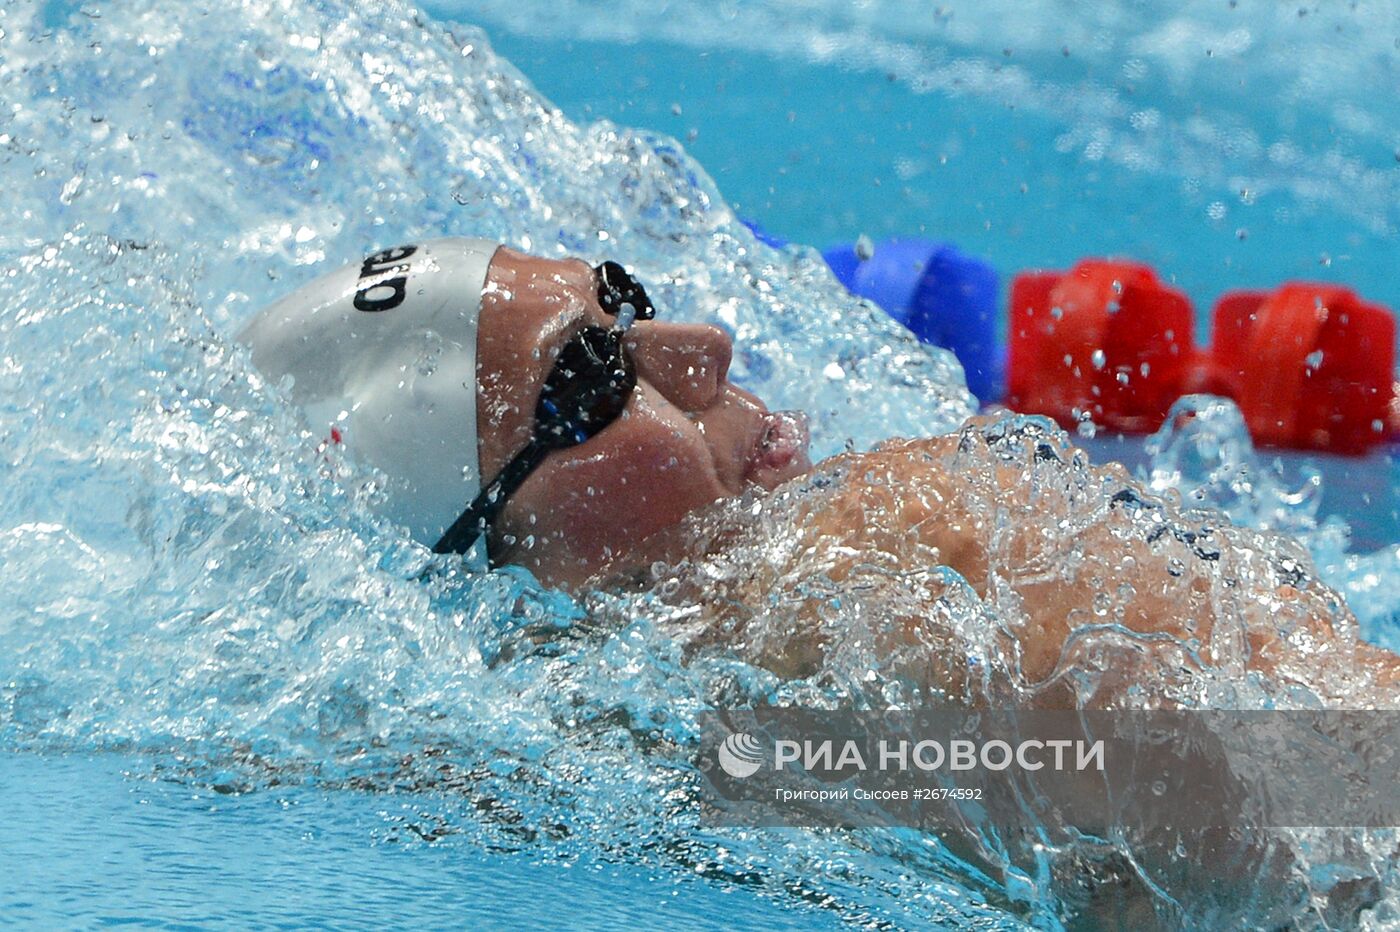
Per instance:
{"type": "Point", "coordinates": [945, 296]}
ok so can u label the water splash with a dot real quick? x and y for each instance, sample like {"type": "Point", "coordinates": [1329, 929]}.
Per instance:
{"type": "Point", "coordinates": [1204, 454]}
{"type": "Point", "coordinates": [872, 620]}
{"type": "Point", "coordinates": [286, 146]}
{"type": "Point", "coordinates": [1204, 457]}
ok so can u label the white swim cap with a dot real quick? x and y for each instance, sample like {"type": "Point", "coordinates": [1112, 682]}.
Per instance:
{"type": "Point", "coordinates": [382, 356]}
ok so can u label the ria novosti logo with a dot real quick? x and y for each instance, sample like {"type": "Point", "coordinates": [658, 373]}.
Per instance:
{"type": "Point", "coordinates": [740, 755]}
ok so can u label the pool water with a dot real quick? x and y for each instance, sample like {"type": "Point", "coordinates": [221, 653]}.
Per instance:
{"type": "Point", "coordinates": [136, 851]}
{"type": "Point", "coordinates": [820, 152]}
{"type": "Point", "coordinates": [228, 694]}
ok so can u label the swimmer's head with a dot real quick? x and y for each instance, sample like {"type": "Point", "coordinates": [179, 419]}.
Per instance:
{"type": "Point", "coordinates": [685, 437]}
{"type": "Point", "coordinates": [669, 433]}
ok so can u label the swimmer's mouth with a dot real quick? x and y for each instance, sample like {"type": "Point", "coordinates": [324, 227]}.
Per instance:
{"type": "Point", "coordinates": [781, 444]}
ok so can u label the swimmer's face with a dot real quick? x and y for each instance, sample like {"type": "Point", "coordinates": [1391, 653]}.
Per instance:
{"type": "Point", "coordinates": [686, 436]}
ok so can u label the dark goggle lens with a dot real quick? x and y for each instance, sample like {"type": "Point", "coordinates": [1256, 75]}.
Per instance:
{"type": "Point", "coordinates": [617, 287]}
{"type": "Point", "coordinates": [587, 389]}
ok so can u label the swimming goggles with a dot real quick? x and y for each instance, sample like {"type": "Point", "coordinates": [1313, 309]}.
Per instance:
{"type": "Point", "coordinates": [592, 378]}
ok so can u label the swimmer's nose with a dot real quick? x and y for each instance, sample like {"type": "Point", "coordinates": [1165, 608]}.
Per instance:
{"type": "Point", "coordinates": [687, 363]}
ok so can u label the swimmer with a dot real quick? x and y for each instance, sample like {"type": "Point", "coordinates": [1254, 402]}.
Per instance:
{"type": "Point", "coordinates": [540, 412]}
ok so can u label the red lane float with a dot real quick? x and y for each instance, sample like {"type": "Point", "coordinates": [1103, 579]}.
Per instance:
{"type": "Point", "coordinates": [1106, 340]}
{"type": "Point", "coordinates": [1310, 365]}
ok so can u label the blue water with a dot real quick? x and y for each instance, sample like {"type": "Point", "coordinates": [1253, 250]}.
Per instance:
{"type": "Point", "coordinates": [131, 850]}
{"type": "Point", "coordinates": [823, 146]}
{"type": "Point", "coordinates": [226, 692]}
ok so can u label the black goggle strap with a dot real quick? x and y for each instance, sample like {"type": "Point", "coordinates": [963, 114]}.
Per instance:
{"type": "Point", "coordinates": [487, 505]}
{"type": "Point", "coordinates": [585, 392]}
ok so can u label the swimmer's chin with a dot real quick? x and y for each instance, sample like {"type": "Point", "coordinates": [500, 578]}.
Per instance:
{"type": "Point", "coordinates": [638, 565]}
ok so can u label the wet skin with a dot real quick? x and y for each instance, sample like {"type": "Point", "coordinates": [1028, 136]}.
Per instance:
{"type": "Point", "coordinates": [937, 512]}
{"type": "Point", "coordinates": [686, 438]}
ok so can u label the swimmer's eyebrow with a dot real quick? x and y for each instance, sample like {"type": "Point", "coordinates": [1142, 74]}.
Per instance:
{"type": "Point", "coordinates": [566, 333]}
{"type": "Point", "coordinates": [554, 344]}
{"type": "Point", "coordinates": [592, 316]}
